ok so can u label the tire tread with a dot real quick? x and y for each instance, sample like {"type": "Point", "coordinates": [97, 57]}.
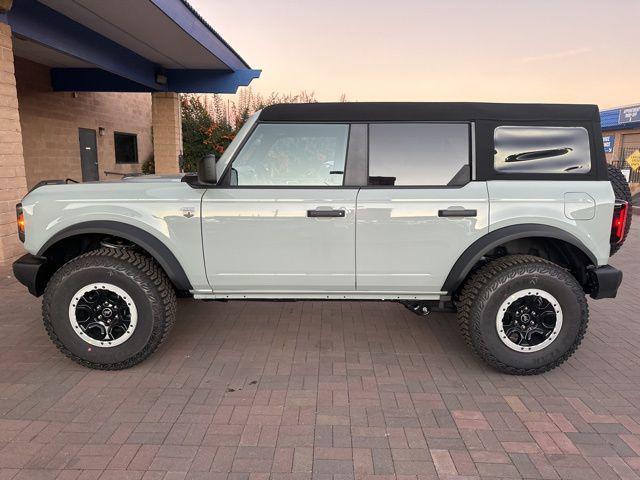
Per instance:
{"type": "Point", "coordinates": [622, 192]}
{"type": "Point", "coordinates": [475, 290]}
{"type": "Point", "coordinates": [124, 258]}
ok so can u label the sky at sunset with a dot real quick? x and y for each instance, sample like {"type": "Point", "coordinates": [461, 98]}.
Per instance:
{"type": "Point", "coordinates": [447, 50]}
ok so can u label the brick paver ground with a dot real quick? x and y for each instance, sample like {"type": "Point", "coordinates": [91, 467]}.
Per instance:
{"type": "Point", "coordinates": [320, 390]}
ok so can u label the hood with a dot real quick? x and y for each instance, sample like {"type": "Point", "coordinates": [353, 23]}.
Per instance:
{"type": "Point", "coordinates": [109, 184]}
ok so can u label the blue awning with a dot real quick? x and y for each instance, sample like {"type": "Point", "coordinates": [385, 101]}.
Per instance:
{"type": "Point", "coordinates": [126, 46]}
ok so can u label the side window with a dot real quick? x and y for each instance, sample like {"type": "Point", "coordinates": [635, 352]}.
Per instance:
{"type": "Point", "coordinates": [418, 154]}
{"type": "Point", "coordinates": [522, 149]}
{"type": "Point", "coordinates": [282, 154]}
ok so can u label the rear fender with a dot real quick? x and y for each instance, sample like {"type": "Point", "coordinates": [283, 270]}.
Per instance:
{"type": "Point", "coordinates": [490, 241]}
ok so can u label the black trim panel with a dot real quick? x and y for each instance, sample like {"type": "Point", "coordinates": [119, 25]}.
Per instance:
{"type": "Point", "coordinates": [357, 156]}
{"type": "Point", "coordinates": [147, 241]}
{"type": "Point", "coordinates": [482, 246]}
{"type": "Point", "coordinates": [28, 270]}
{"type": "Point", "coordinates": [606, 281]}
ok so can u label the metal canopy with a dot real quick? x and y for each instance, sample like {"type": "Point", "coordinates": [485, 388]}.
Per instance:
{"type": "Point", "coordinates": [124, 46]}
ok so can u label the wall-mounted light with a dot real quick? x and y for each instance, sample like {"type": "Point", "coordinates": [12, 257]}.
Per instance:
{"type": "Point", "coordinates": [101, 131]}
{"type": "Point", "coordinates": [161, 79]}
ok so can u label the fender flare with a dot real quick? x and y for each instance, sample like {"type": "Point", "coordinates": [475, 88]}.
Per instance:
{"type": "Point", "coordinates": [491, 240]}
{"type": "Point", "coordinates": [152, 244]}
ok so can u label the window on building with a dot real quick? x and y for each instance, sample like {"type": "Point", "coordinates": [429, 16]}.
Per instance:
{"type": "Point", "coordinates": [292, 155]}
{"type": "Point", "coordinates": [126, 145]}
{"type": "Point", "coordinates": [418, 154]}
{"type": "Point", "coordinates": [523, 149]}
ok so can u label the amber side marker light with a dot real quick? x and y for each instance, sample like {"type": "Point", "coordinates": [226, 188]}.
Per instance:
{"type": "Point", "coordinates": [619, 221]}
{"type": "Point", "coordinates": [20, 221]}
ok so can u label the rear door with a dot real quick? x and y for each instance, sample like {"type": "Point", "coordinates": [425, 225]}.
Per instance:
{"type": "Point", "coordinates": [420, 209]}
{"type": "Point", "coordinates": [282, 220]}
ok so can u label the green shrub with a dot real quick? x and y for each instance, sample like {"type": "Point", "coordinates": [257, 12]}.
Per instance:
{"type": "Point", "coordinates": [209, 123]}
{"type": "Point", "coordinates": [149, 166]}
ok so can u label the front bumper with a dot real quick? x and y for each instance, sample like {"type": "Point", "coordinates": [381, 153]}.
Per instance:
{"type": "Point", "coordinates": [30, 271]}
{"type": "Point", "coordinates": [605, 281]}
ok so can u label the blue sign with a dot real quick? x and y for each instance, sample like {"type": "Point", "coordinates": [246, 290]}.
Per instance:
{"type": "Point", "coordinates": [629, 114]}
{"type": "Point", "coordinates": [609, 141]}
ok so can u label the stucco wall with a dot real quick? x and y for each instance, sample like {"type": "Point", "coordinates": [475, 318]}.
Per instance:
{"type": "Point", "coordinates": [50, 122]}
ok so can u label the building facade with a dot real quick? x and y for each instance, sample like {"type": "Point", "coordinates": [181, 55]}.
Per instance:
{"type": "Point", "coordinates": [621, 136]}
{"type": "Point", "coordinates": [55, 128]}
{"type": "Point", "coordinates": [89, 92]}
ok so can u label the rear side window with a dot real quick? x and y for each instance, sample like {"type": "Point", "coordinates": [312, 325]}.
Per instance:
{"type": "Point", "coordinates": [523, 149]}
{"type": "Point", "coordinates": [418, 154]}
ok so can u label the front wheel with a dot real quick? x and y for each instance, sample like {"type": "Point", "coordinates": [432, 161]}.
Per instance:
{"type": "Point", "coordinates": [109, 309]}
{"type": "Point", "coordinates": [522, 314]}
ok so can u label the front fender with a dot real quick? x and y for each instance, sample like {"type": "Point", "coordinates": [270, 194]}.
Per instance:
{"type": "Point", "coordinates": [161, 217]}
{"type": "Point", "coordinates": [153, 245]}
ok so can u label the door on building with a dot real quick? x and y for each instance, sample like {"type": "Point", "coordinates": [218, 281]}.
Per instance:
{"type": "Point", "coordinates": [88, 154]}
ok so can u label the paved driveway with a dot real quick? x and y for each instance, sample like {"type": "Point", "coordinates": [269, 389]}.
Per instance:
{"type": "Point", "coordinates": [321, 390]}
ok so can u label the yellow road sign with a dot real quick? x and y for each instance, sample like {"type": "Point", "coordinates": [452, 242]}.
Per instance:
{"type": "Point", "coordinates": [634, 160]}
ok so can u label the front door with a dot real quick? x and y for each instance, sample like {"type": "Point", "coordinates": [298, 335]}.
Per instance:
{"type": "Point", "coordinates": [281, 220]}
{"type": "Point", "coordinates": [420, 210]}
{"type": "Point", "coordinates": [88, 154]}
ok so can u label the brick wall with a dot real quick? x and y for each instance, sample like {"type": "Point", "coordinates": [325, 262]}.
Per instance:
{"type": "Point", "coordinates": [167, 130]}
{"type": "Point", "coordinates": [12, 174]}
{"type": "Point", "coordinates": [50, 122]}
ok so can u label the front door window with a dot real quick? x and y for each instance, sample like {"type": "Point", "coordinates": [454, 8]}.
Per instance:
{"type": "Point", "coordinates": [309, 155]}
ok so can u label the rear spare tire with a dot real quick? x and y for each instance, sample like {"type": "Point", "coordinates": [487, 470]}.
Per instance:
{"type": "Point", "coordinates": [622, 192]}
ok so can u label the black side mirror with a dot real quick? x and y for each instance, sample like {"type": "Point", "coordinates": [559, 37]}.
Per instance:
{"type": "Point", "coordinates": [207, 170]}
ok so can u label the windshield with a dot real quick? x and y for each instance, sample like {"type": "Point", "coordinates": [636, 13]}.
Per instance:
{"type": "Point", "coordinates": [221, 165]}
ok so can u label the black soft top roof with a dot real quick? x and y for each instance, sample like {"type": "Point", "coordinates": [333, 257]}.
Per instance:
{"type": "Point", "coordinates": [427, 111]}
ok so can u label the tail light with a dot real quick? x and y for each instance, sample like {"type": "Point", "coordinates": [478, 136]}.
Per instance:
{"type": "Point", "coordinates": [619, 222]}
{"type": "Point", "coordinates": [20, 221]}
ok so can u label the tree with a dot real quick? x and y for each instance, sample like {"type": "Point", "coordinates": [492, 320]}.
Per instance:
{"type": "Point", "coordinates": [196, 125]}
{"type": "Point", "coordinates": [210, 123]}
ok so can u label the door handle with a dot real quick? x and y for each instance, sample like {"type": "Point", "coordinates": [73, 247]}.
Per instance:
{"type": "Point", "coordinates": [457, 212]}
{"type": "Point", "coordinates": [325, 213]}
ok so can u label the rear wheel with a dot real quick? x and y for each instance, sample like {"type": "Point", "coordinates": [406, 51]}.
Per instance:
{"type": "Point", "coordinates": [622, 192]}
{"type": "Point", "coordinates": [109, 309]}
{"type": "Point", "coordinates": [522, 314]}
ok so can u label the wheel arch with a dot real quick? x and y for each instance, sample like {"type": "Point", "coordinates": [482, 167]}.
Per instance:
{"type": "Point", "coordinates": [508, 235]}
{"type": "Point", "coordinates": [148, 242]}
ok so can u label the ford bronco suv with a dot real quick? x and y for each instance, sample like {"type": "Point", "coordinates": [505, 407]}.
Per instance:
{"type": "Point", "coordinates": [505, 213]}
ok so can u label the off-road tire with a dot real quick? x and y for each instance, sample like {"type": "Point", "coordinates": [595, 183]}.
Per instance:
{"type": "Point", "coordinates": [137, 274]}
{"type": "Point", "coordinates": [622, 192]}
{"type": "Point", "coordinates": [489, 286]}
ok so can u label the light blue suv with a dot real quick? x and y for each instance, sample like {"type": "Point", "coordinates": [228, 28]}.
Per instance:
{"type": "Point", "coordinates": [504, 213]}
